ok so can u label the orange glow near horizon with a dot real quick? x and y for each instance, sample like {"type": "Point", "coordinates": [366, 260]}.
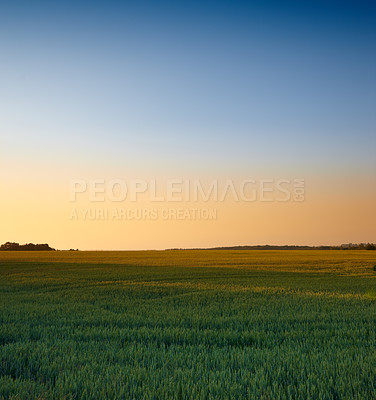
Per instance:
{"type": "Point", "coordinates": [36, 208]}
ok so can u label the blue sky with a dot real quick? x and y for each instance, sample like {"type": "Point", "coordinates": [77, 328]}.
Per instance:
{"type": "Point", "coordinates": [227, 83]}
{"type": "Point", "coordinates": [170, 89]}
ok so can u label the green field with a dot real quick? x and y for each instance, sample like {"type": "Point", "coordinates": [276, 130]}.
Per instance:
{"type": "Point", "coordinates": [188, 325]}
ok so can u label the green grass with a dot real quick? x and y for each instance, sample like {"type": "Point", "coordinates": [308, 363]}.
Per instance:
{"type": "Point", "coordinates": [188, 325]}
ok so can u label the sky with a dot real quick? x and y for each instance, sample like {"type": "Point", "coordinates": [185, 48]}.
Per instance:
{"type": "Point", "coordinates": [191, 90]}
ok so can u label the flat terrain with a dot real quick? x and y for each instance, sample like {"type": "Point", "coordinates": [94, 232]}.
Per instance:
{"type": "Point", "coordinates": [188, 325]}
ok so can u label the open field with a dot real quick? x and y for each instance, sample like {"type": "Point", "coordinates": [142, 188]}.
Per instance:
{"type": "Point", "coordinates": [188, 325]}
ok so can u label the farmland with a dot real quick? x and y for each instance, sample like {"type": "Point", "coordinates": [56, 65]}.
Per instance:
{"type": "Point", "coordinates": [188, 324]}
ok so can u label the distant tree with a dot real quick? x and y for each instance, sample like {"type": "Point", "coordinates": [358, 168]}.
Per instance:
{"type": "Point", "coordinates": [11, 246]}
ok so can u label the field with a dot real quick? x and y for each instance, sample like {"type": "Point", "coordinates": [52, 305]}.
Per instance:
{"type": "Point", "coordinates": [188, 325]}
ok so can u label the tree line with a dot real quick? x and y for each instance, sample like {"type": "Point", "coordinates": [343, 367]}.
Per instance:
{"type": "Point", "coordinates": [12, 246]}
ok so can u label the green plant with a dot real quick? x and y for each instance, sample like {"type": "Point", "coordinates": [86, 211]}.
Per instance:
{"type": "Point", "coordinates": [371, 294]}
{"type": "Point", "coordinates": [191, 325]}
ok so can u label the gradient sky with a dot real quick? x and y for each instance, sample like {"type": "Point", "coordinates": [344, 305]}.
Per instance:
{"type": "Point", "coordinates": [195, 89]}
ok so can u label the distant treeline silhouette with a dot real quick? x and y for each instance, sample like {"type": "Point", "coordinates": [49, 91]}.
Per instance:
{"type": "Point", "coordinates": [350, 246]}
{"type": "Point", "coordinates": [11, 246]}
{"type": "Point", "coordinates": [360, 246]}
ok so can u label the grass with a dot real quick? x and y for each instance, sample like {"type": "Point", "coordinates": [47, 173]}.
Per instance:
{"type": "Point", "coordinates": [188, 325]}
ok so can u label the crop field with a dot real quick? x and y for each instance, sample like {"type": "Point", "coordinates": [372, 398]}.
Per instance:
{"type": "Point", "coordinates": [188, 324]}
